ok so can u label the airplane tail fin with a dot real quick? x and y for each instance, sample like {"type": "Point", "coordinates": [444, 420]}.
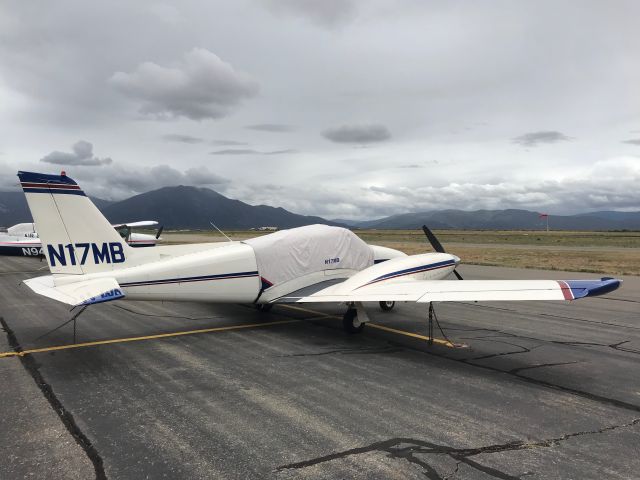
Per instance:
{"type": "Point", "coordinates": [76, 237]}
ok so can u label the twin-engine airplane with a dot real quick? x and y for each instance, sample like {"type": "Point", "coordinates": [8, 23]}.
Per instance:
{"type": "Point", "coordinates": [90, 263]}
{"type": "Point", "coordinates": [22, 240]}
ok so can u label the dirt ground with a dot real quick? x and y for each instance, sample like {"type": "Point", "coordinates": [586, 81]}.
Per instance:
{"type": "Point", "coordinates": [613, 253]}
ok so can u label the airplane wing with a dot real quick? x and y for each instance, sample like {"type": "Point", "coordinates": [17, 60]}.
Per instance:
{"type": "Point", "coordinates": [143, 223]}
{"type": "Point", "coordinates": [85, 292]}
{"type": "Point", "coordinates": [424, 291]}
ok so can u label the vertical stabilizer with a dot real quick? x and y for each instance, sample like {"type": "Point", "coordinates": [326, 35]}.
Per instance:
{"type": "Point", "coordinates": [76, 237]}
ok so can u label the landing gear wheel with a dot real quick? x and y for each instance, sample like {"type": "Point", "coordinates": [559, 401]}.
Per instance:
{"type": "Point", "coordinates": [264, 307]}
{"type": "Point", "coordinates": [386, 306]}
{"type": "Point", "coordinates": [350, 321]}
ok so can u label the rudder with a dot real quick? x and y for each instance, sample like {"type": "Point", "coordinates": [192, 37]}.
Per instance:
{"type": "Point", "coordinates": [76, 237]}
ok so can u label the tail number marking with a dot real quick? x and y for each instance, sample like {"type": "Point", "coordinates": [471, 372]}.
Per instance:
{"type": "Point", "coordinates": [79, 253]}
{"type": "Point", "coordinates": [115, 293]}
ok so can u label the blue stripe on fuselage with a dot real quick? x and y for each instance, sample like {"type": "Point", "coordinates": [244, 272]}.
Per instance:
{"type": "Point", "coordinates": [412, 270]}
{"type": "Point", "coordinates": [202, 278]}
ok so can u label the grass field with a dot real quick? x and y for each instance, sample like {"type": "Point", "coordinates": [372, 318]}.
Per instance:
{"type": "Point", "coordinates": [614, 253]}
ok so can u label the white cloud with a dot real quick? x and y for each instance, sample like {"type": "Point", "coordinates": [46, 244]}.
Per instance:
{"type": "Point", "coordinates": [82, 155]}
{"type": "Point", "coordinates": [200, 86]}
{"type": "Point", "coordinates": [608, 184]}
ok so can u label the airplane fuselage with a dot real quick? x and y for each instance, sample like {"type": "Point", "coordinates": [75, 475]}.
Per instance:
{"type": "Point", "coordinates": [228, 273]}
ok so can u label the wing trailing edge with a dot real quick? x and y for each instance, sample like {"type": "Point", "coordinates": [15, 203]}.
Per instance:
{"type": "Point", "coordinates": [424, 291]}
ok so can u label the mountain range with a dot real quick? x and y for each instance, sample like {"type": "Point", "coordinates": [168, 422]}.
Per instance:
{"type": "Point", "coordinates": [194, 208]}
{"type": "Point", "coordinates": [175, 207]}
{"type": "Point", "coordinates": [510, 219]}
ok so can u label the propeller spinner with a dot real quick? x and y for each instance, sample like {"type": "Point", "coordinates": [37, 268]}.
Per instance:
{"type": "Point", "coordinates": [437, 246]}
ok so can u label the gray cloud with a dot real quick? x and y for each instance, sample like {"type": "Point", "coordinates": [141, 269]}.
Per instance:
{"type": "Point", "coordinates": [228, 143]}
{"type": "Point", "coordinates": [533, 139]}
{"type": "Point", "coordinates": [176, 137]}
{"type": "Point", "coordinates": [200, 86]}
{"type": "Point", "coordinates": [235, 151]}
{"type": "Point", "coordinates": [327, 13]}
{"type": "Point", "coordinates": [271, 127]}
{"type": "Point", "coordinates": [405, 66]}
{"type": "Point", "coordinates": [633, 141]}
{"type": "Point", "coordinates": [116, 183]}
{"type": "Point", "coordinates": [82, 155]}
{"type": "Point", "coordinates": [249, 151]}
{"type": "Point", "coordinates": [357, 134]}
{"type": "Point", "coordinates": [281, 152]}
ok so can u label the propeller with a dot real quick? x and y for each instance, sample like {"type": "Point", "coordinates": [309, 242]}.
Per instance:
{"type": "Point", "coordinates": [437, 246]}
{"type": "Point", "coordinates": [159, 232]}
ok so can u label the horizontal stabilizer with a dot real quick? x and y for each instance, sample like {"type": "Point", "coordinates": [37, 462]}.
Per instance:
{"type": "Point", "coordinates": [423, 291]}
{"type": "Point", "coordinates": [85, 292]}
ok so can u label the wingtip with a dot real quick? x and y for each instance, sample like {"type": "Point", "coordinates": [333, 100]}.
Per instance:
{"type": "Point", "coordinates": [593, 288]}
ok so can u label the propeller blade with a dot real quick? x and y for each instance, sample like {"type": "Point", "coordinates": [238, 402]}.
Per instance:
{"type": "Point", "coordinates": [159, 232]}
{"type": "Point", "coordinates": [437, 246]}
{"type": "Point", "coordinates": [458, 276]}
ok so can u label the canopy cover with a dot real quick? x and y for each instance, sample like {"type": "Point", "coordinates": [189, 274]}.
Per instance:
{"type": "Point", "coordinates": [293, 253]}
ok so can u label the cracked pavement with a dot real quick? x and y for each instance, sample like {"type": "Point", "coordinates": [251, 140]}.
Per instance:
{"type": "Point", "coordinates": [543, 390]}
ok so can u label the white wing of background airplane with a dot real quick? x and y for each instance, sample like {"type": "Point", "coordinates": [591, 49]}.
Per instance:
{"type": "Point", "coordinates": [143, 223]}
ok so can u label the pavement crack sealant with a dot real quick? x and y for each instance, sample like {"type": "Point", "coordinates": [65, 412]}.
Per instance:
{"type": "Point", "coordinates": [542, 365]}
{"type": "Point", "coordinates": [407, 448]}
{"type": "Point", "coordinates": [33, 368]}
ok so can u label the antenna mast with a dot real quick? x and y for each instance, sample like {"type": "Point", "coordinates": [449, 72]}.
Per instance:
{"type": "Point", "coordinates": [225, 235]}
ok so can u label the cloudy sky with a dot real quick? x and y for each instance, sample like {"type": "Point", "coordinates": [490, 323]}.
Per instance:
{"type": "Point", "coordinates": [341, 108]}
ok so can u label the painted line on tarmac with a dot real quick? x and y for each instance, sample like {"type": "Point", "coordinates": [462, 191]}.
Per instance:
{"type": "Point", "coordinates": [145, 337]}
{"type": "Point", "coordinates": [319, 316]}
{"type": "Point", "coordinates": [438, 341]}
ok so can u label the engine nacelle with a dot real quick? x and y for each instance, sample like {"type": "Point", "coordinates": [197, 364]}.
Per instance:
{"type": "Point", "coordinates": [427, 266]}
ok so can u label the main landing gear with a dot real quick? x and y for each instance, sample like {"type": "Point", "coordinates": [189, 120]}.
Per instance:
{"type": "Point", "coordinates": [264, 307]}
{"type": "Point", "coordinates": [350, 321]}
{"type": "Point", "coordinates": [355, 318]}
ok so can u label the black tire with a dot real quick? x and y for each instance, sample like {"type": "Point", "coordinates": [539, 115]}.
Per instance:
{"type": "Point", "coordinates": [264, 307]}
{"type": "Point", "coordinates": [387, 306]}
{"type": "Point", "coordinates": [349, 321]}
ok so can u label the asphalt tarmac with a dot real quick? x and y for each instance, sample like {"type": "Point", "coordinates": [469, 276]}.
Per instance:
{"type": "Point", "coordinates": [186, 390]}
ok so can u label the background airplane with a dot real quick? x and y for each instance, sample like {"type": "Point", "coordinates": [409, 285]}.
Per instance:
{"type": "Point", "coordinates": [91, 263]}
{"type": "Point", "coordinates": [22, 240]}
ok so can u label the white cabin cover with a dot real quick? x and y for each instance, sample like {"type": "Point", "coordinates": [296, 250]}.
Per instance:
{"type": "Point", "coordinates": [293, 253]}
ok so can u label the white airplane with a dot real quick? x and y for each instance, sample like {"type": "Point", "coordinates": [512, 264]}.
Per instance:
{"type": "Point", "coordinates": [90, 263]}
{"type": "Point", "coordinates": [22, 240]}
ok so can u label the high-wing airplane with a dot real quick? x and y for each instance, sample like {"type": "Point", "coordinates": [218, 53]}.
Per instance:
{"type": "Point", "coordinates": [22, 240]}
{"type": "Point", "coordinates": [91, 263]}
